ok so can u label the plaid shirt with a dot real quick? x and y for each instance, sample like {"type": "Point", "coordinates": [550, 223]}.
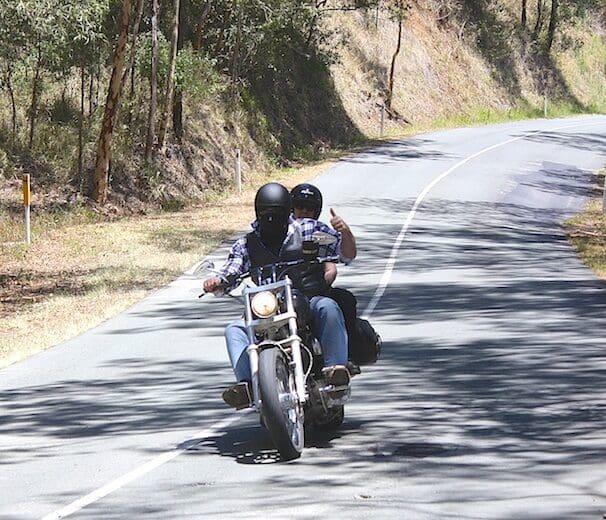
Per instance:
{"type": "Point", "coordinates": [238, 259]}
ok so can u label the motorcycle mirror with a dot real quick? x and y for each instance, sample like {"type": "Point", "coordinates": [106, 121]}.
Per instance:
{"type": "Point", "coordinates": [323, 239]}
{"type": "Point", "coordinates": [204, 268]}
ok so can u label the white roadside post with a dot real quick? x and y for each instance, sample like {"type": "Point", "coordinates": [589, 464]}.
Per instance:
{"type": "Point", "coordinates": [604, 196]}
{"type": "Point", "coordinates": [27, 199]}
{"type": "Point", "coordinates": [238, 173]}
{"type": "Point", "coordinates": [545, 104]}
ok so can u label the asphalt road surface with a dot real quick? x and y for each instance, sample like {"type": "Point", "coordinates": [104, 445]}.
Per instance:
{"type": "Point", "coordinates": [488, 401]}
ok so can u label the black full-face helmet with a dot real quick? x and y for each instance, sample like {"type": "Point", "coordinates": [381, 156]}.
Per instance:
{"type": "Point", "coordinates": [272, 208]}
{"type": "Point", "coordinates": [307, 196]}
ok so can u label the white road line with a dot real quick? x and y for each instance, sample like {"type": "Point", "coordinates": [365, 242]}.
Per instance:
{"type": "Point", "coordinates": [386, 277]}
{"type": "Point", "coordinates": [138, 472]}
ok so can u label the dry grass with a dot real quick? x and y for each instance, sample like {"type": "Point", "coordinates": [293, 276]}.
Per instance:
{"type": "Point", "coordinates": [437, 72]}
{"type": "Point", "coordinates": [73, 277]}
{"type": "Point", "coordinates": [587, 231]}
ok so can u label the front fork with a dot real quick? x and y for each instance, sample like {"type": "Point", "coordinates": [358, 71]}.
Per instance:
{"type": "Point", "coordinates": [295, 347]}
{"type": "Point", "coordinates": [295, 353]}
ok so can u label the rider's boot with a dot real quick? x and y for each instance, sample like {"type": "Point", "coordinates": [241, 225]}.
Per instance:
{"type": "Point", "coordinates": [337, 377]}
{"type": "Point", "coordinates": [238, 396]}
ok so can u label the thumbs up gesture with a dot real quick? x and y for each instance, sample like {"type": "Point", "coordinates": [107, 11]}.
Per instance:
{"type": "Point", "coordinates": [337, 222]}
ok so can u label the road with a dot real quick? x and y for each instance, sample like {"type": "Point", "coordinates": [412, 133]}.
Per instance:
{"type": "Point", "coordinates": [488, 401]}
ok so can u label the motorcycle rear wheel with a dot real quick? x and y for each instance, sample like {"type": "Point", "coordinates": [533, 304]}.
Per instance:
{"type": "Point", "coordinates": [282, 414]}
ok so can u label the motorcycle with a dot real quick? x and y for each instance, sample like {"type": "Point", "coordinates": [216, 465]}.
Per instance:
{"type": "Point", "coordinates": [288, 387]}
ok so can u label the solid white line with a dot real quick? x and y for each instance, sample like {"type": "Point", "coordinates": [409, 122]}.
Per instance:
{"type": "Point", "coordinates": [386, 277]}
{"type": "Point", "coordinates": [138, 472]}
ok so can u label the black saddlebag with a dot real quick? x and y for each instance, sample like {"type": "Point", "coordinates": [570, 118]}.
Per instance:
{"type": "Point", "coordinates": [365, 346]}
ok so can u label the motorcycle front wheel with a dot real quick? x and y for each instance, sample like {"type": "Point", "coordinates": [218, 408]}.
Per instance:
{"type": "Point", "coordinates": [282, 414]}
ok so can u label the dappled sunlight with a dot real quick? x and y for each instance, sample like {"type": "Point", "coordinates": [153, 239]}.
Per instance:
{"type": "Point", "coordinates": [140, 398]}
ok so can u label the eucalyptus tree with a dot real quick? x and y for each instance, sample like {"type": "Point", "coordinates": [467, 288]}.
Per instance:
{"type": "Point", "coordinates": [13, 49]}
{"type": "Point", "coordinates": [553, 22]}
{"type": "Point", "coordinates": [100, 178]}
{"type": "Point", "coordinates": [33, 36]}
{"type": "Point", "coordinates": [170, 80]}
{"type": "Point", "coordinates": [398, 10]}
{"type": "Point", "coordinates": [48, 39]}
{"type": "Point", "coordinates": [153, 83]}
{"type": "Point", "coordinates": [87, 43]}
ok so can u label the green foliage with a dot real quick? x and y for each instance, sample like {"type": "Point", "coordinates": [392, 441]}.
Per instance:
{"type": "Point", "coordinates": [6, 165]}
{"type": "Point", "coordinates": [63, 111]}
{"type": "Point", "coordinates": [196, 74]}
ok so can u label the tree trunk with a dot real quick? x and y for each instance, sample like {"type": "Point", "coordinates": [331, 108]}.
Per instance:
{"type": "Point", "coordinates": [524, 13]}
{"type": "Point", "coordinates": [199, 30]}
{"type": "Point", "coordinates": [170, 82]}
{"type": "Point", "coordinates": [178, 97]}
{"type": "Point", "coordinates": [130, 69]}
{"type": "Point", "coordinates": [392, 69]}
{"type": "Point", "coordinates": [235, 58]}
{"type": "Point", "coordinates": [101, 173]}
{"type": "Point", "coordinates": [153, 102]}
{"type": "Point", "coordinates": [11, 92]}
{"type": "Point", "coordinates": [91, 93]}
{"type": "Point", "coordinates": [178, 115]}
{"type": "Point", "coordinates": [81, 120]}
{"type": "Point", "coordinates": [539, 22]}
{"type": "Point", "coordinates": [553, 23]}
{"type": "Point", "coordinates": [131, 62]}
{"type": "Point", "coordinates": [33, 109]}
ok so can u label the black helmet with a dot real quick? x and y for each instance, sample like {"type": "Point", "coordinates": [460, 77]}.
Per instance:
{"type": "Point", "coordinates": [272, 208]}
{"type": "Point", "coordinates": [272, 195]}
{"type": "Point", "coordinates": [307, 195]}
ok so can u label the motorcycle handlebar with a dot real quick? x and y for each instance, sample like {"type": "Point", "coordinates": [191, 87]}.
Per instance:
{"type": "Point", "coordinates": [232, 280]}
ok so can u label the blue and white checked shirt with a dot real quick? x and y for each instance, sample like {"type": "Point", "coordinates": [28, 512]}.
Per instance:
{"type": "Point", "coordinates": [238, 259]}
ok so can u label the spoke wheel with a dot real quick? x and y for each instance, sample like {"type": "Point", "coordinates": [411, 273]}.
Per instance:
{"type": "Point", "coordinates": [282, 414]}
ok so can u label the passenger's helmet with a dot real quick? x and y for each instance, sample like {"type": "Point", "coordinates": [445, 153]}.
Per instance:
{"type": "Point", "coordinates": [307, 196]}
{"type": "Point", "coordinates": [272, 208]}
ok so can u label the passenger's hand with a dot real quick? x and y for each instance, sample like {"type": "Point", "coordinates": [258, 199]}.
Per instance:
{"type": "Point", "coordinates": [212, 284]}
{"type": "Point", "coordinates": [330, 272]}
{"type": "Point", "coordinates": [337, 222]}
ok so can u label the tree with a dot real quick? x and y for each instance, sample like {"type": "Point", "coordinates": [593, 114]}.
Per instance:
{"type": "Point", "coordinates": [101, 173]}
{"type": "Point", "coordinates": [13, 48]}
{"type": "Point", "coordinates": [130, 69]}
{"type": "Point", "coordinates": [524, 16]}
{"type": "Point", "coordinates": [47, 37]}
{"type": "Point", "coordinates": [399, 10]}
{"type": "Point", "coordinates": [86, 40]}
{"type": "Point", "coordinates": [553, 22]}
{"type": "Point", "coordinates": [170, 80]}
{"type": "Point", "coordinates": [539, 22]}
{"type": "Point", "coordinates": [153, 101]}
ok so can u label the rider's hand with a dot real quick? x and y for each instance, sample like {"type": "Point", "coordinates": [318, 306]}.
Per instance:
{"type": "Point", "coordinates": [212, 284]}
{"type": "Point", "coordinates": [337, 222]}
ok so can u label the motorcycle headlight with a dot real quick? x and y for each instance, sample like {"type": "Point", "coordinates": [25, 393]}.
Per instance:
{"type": "Point", "coordinates": [264, 304]}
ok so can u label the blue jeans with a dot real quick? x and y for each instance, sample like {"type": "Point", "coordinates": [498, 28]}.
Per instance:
{"type": "Point", "coordinates": [327, 324]}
